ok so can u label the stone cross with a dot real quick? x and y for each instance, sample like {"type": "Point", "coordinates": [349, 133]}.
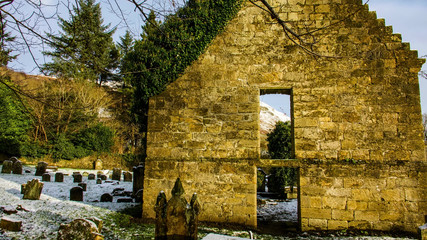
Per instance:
{"type": "Point", "coordinates": [41, 168]}
{"type": "Point", "coordinates": [32, 189]}
{"type": "Point", "coordinates": [7, 166]}
{"type": "Point", "coordinates": [117, 173]}
{"type": "Point", "coordinates": [176, 219]}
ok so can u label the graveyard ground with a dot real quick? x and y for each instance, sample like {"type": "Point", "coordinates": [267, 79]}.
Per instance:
{"type": "Point", "coordinates": [42, 218]}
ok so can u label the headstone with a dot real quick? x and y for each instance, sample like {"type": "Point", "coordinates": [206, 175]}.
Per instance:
{"type": "Point", "coordinates": [7, 166]}
{"type": "Point", "coordinates": [80, 229]}
{"type": "Point", "coordinates": [83, 185]}
{"type": "Point", "coordinates": [32, 189]}
{"type": "Point", "coordinates": [99, 181]}
{"type": "Point", "coordinates": [124, 200]}
{"type": "Point", "coordinates": [91, 176]}
{"type": "Point", "coordinates": [10, 224]}
{"type": "Point", "coordinates": [98, 174]}
{"type": "Point", "coordinates": [85, 174]}
{"type": "Point", "coordinates": [127, 176]}
{"type": "Point", "coordinates": [176, 219]}
{"type": "Point", "coordinates": [138, 178]}
{"type": "Point", "coordinates": [13, 159]}
{"type": "Point", "coordinates": [59, 177]}
{"type": "Point", "coordinates": [77, 177]}
{"type": "Point", "coordinates": [106, 197]}
{"type": "Point", "coordinates": [17, 167]}
{"type": "Point", "coordinates": [103, 177]}
{"type": "Point", "coordinates": [46, 177]}
{"type": "Point", "coordinates": [422, 231]}
{"type": "Point", "coordinates": [97, 164]}
{"type": "Point", "coordinates": [117, 173]}
{"type": "Point", "coordinates": [76, 194]}
{"type": "Point", "coordinates": [41, 168]}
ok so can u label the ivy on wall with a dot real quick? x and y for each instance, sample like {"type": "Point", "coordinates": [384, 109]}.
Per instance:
{"type": "Point", "coordinates": [166, 49]}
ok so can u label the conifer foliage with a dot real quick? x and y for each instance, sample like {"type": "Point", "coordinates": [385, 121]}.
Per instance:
{"type": "Point", "coordinates": [84, 49]}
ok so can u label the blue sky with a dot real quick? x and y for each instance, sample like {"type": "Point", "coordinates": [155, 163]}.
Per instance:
{"type": "Point", "coordinates": [408, 17]}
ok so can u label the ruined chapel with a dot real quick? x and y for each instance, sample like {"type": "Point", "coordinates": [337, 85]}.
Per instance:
{"type": "Point", "coordinates": [356, 120]}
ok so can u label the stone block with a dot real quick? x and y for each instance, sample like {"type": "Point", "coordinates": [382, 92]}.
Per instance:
{"type": "Point", "coordinates": [334, 202]}
{"type": "Point", "coordinates": [337, 225]}
{"type": "Point", "coordinates": [10, 224]}
{"type": "Point", "coordinates": [371, 216]}
{"type": "Point", "coordinates": [80, 229]}
{"type": "Point", "coordinates": [316, 213]}
{"type": "Point", "coordinates": [342, 215]}
{"type": "Point", "coordinates": [318, 223]}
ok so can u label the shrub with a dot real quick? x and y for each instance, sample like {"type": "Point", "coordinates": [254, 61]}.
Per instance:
{"type": "Point", "coordinates": [280, 141]}
{"type": "Point", "coordinates": [98, 138]}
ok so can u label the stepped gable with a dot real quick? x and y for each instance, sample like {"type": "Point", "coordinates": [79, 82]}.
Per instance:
{"type": "Point", "coordinates": [356, 120]}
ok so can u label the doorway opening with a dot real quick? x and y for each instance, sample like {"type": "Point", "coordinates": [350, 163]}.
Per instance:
{"type": "Point", "coordinates": [278, 186]}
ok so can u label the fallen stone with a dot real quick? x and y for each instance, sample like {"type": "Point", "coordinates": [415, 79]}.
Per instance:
{"type": "Point", "coordinates": [79, 229]}
{"type": "Point", "coordinates": [10, 224]}
{"type": "Point", "coordinates": [124, 200]}
{"type": "Point", "coordinates": [8, 209]}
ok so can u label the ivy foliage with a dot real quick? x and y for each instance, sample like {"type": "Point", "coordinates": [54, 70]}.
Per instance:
{"type": "Point", "coordinates": [166, 49]}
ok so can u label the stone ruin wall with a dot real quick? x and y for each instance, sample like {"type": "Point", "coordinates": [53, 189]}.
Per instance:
{"type": "Point", "coordinates": [362, 104]}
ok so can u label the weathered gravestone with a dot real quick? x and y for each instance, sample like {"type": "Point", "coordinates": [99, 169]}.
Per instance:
{"type": "Point", "coordinates": [87, 229]}
{"type": "Point", "coordinates": [103, 177]}
{"type": "Point", "coordinates": [7, 166]}
{"type": "Point", "coordinates": [41, 168]}
{"type": "Point", "coordinates": [32, 189]}
{"type": "Point", "coordinates": [176, 219]}
{"type": "Point", "coordinates": [83, 186]}
{"type": "Point", "coordinates": [98, 174]}
{"type": "Point", "coordinates": [138, 178]}
{"type": "Point", "coordinates": [77, 177]}
{"type": "Point", "coordinates": [97, 164]}
{"type": "Point", "coordinates": [91, 176]}
{"type": "Point", "coordinates": [99, 181]}
{"type": "Point", "coordinates": [10, 224]}
{"type": "Point", "coordinates": [76, 194]}
{"type": "Point", "coordinates": [59, 177]}
{"type": "Point", "coordinates": [117, 172]}
{"type": "Point", "coordinates": [17, 167]}
{"type": "Point", "coordinates": [127, 176]}
{"type": "Point", "coordinates": [106, 197]}
{"type": "Point", "coordinates": [46, 177]}
{"type": "Point", "coordinates": [422, 231]}
{"type": "Point", "coordinates": [13, 159]}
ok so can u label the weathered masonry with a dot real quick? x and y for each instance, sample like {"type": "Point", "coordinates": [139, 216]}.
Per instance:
{"type": "Point", "coordinates": [356, 120]}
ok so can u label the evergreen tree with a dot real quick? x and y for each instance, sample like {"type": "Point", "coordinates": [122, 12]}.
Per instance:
{"type": "Point", "coordinates": [280, 141]}
{"type": "Point", "coordinates": [5, 53]}
{"type": "Point", "coordinates": [125, 46]}
{"type": "Point", "coordinates": [84, 49]}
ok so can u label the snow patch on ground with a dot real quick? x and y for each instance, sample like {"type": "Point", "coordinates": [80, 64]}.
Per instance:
{"type": "Point", "coordinates": [42, 218]}
{"type": "Point", "coordinates": [278, 211]}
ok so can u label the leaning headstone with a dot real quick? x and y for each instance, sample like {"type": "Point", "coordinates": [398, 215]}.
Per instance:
{"type": "Point", "coordinates": [76, 194]}
{"type": "Point", "coordinates": [138, 178]}
{"type": "Point", "coordinates": [97, 164]}
{"type": "Point", "coordinates": [176, 218]}
{"type": "Point", "coordinates": [46, 177]}
{"type": "Point", "coordinates": [32, 189]}
{"type": "Point", "coordinates": [59, 177]}
{"type": "Point", "coordinates": [99, 181]}
{"type": "Point", "coordinates": [103, 177]}
{"type": "Point", "coordinates": [117, 172]}
{"type": "Point", "coordinates": [10, 224]}
{"type": "Point", "coordinates": [80, 229]}
{"type": "Point", "coordinates": [41, 168]}
{"type": "Point", "coordinates": [83, 185]}
{"type": "Point", "coordinates": [7, 166]}
{"type": "Point", "coordinates": [106, 197]}
{"type": "Point", "coordinates": [17, 167]}
{"type": "Point", "coordinates": [127, 176]}
{"type": "Point", "coordinates": [77, 177]}
{"type": "Point", "coordinates": [91, 176]}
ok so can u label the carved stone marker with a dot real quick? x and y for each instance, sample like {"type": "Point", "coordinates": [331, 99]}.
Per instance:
{"type": "Point", "coordinates": [106, 197]}
{"type": "Point", "coordinates": [83, 185]}
{"type": "Point", "coordinates": [32, 189]}
{"type": "Point", "coordinates": [13, 159]}
{"type": "Point", "coordinates": [41, 168]}
{"type": "Point", "coordinates": [91, 176]}
{"type": "Point", "coordinates": [76, 194]}
{"type": "Point", "coordinates": [46, 177]}
{"type": "Point", "coordinates": [77, 177]}
{"type": "Point", "coordinates": [138, 178]}
{"type": "Point", "coordinates": [17, 167]}
{"type": "Point", "coordinates": [103, 177]}
{"type": "Point", "coordinates": [59, 177]}
{"type": "Point", "coordinates": [97, 164]}
{"type": "Point", "coordinates": [10, 224]}
{"type": "Point", "coordinates": [176, 219]}
{"type": "Point", "coordinates": [86, 229]}
{"type": "Point", "coordinates": [99, 181]}
{"type": "Point", "coordinates": [7, 166]}
{"type": "Point", "coordinates": [117, 173]}
{"type": "Point", "coordinates": [127, 176]}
